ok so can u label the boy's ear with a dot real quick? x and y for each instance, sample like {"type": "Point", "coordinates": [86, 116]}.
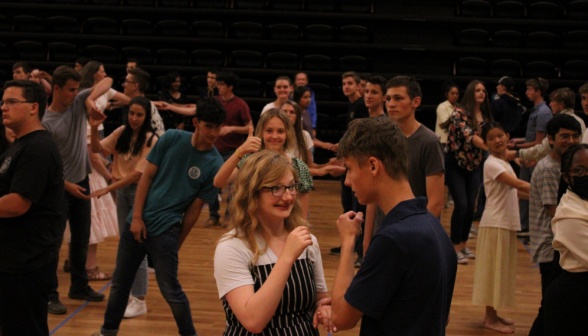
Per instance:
{"type": "Point", "coordinates": [195, 122]}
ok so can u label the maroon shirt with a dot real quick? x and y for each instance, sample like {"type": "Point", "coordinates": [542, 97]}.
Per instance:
{"type": "Point", "coordinates": [237, 115]}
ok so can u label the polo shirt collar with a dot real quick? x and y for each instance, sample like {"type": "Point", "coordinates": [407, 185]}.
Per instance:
{"type": "Point", "coordinates": [415, 206]}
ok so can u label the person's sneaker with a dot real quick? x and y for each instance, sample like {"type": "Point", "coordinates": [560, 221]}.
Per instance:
{"type": "Point", "coordinates": [87, 294]}
{"type": "Point", "coordinates": [461, 259]}
{"type": "Point", "coordinates": [358, 262]}
{"type": "Point", "coordinates": [212, 221]}
{"type": "Point", "coordinates": [471, 236]}
{"type": "Point", "coordinates": [468, 253]}
{"type": "Point", "coordinates": [474, 230]}
{"type": "Point", "coordinates": [135, 308]}
{"type": "Point", "coordinates": [56, 307]}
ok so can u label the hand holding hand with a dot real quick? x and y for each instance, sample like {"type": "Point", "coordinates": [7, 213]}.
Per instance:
{"type": "Point", "coordinates": [336, 171]}
{"type": "Point", "coordinates": [76, 191]}
{"type": "Point", "coordinates": [95, 121]}
{"type": "Point", "coordinates": [334, 148]}
{"type": "Point", "coordinates": [251, 145]}
{"type": "Point", "coordinates": [99, 193]}
{"type": "Point", "coordinates": [296, 242]}
{"type": "Point", "coordinates": [323, 316]}
{"type": "Point", "coordinates": [349, 225]}
{"type": "Point", "coordinates": [94, 111]}
{"type": "Point", "coordinates": [138, 229]}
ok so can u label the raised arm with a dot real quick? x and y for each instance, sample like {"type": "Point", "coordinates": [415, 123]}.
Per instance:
{"type": "Point", "coordinates": [228, 170]}
{"type": "Point", "coordinates": [255, 309]}
{"type": "Point", "coordinates": [183, 110]}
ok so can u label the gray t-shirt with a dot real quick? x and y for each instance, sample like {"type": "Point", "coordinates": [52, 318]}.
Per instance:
{"type": "Point", "coordinates": [425, 157]}
{"type": "Point", "coordinates": [68, 129]}
{"type": "Point", "coordinates": [538, 119]}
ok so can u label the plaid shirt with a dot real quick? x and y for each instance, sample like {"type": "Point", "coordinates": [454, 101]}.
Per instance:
{"type": "Point", "coordinates": [544, 186]}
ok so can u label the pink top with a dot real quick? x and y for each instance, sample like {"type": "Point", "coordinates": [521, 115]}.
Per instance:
{"type": "Point", "coordinates": [124, 164]}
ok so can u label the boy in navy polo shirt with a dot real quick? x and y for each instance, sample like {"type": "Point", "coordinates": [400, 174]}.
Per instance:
{"type": "Point", "coordinates": [405, 284]}
{"type": "Point", "coordinates": [171, 193]}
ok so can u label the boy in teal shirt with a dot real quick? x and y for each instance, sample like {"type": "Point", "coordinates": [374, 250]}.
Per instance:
{"type": "Point", "coordinates": [170, 195]}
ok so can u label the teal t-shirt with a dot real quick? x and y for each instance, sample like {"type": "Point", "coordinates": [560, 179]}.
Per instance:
{"type": "Point", "coordinates": [183, 174]}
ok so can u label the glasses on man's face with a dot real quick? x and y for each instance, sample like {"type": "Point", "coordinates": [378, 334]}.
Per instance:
{"type": "Point", "coordinates": [579, 171]}
{"type": "Point", "coordinates": [567, 136]}
{"type": "Point", "coordinates": [279, 189]}
{"type": "Point", "coordinates": [11, 102]}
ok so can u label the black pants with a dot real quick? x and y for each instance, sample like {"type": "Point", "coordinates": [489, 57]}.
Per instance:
{"type": "Point", "coordinates": [549, 272]}
{"type": "Point", "coordinates": [23, 302]}
{"type": "Point", "coordinates": [350, 203]}
{"type": "Point", "coordinates": [78, 211]}
{"type": "Point", "coordinates": [566, 305]}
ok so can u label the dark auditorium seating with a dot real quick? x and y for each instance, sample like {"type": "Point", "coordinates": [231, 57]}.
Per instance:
{"type": "Point", "coordinates": [102, 53]}
{"type": "Point", "coordinates": [247, 30]}
{"type": "Point", "coordinates": [577, 39]}
{"type": "Point", "coordinates": [474, 37]}
{"type": "Point", "coordinates": [541, 39]}
{"type": "Point", "coordinates": [30, 51]}
{"type": "Point", "coordinates": [174, 3]}
{"type": "Point", "coordinates": [318, 32]}
{"type": "Point", "coordinates": [208, 29]}
{"type": "Point", "coordinates": [101, 25]}
{"type": "Point", "coordinates": [62, 24]}
{"type": "Point", "coordinates": [543, 10]}
{"type": "Point", "coordinates": [284, 31]}
{"type": "Point", "coordinates": [249, 4]}
{"type": "Point", "coordinates": [479, 8]}
{"type": "Point", "coordinates": [471, 66]}
{"type": "Point", "coordinates": [62, 52]}
{"type": "Point", "coordinates": [355, 6]}
{"type": "Point", "coordinates": [28, 23]}
{"type": "Point", "coordinates": [321, 91]}
{"type": "Point", "coordinates": [353, 63]}
{"type": "Point", "coordinates": [137, 27]}
{"type": "Point", "coordinates": [105, 2]}
{"type": "Point", "coordinates": [577, 69]}
{"type": "Point", "coordinates": [317, 62]}
{"type": "Point", "coordinates": [285, 5]}
{"type": "Point", "coordinates": [141, 3]}
{"type": "Point", "coordinates": [6, 52]}
{"type": "Point", "coordinates": [207, 58]}
{"type": "Point", "coordinates": [578, 10]}
{"type": "Point", "coordinates": [509, 9]}
{"type": "Point", "coordinates": [283, 60]}
{"type": "Point", "coordinates": [171, 57]}
{"type": "Point", "coordinates": [4, 23]}
{"type": "Point", "coordinates": [142, 55]}
{"type": "Point", "coordinates": [321, 5]}
{"type": "Point", "coordinates": [354, 33]}
{"type": "Point", "coordinates": [198, 84]}
{"type": "Point", "coordinates": [506, 67]}
{"type": "Point", "coordinates": [174, 28]}
{"type": "Point", "coordinates": [507, 38]}
{"type": "Point", "coordinates": [249, 88]}
{"type": "Point", "coordinates": [246, 59]}
{"type": "Point", "coordinates": [542, 69]}
{"type": "Point", "coordinates": [216, 4]}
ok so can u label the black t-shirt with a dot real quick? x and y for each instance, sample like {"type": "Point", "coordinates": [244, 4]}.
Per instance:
{"type": "Point", "coordinates": [357, 109]}
{"type": "Point", "coordinates": [405, 284]}
{"type": "Point", "coordinates": [32, 168]}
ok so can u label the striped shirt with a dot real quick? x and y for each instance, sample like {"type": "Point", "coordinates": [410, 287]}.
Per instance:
{"type": "Point", "coordinates": [544, 186]}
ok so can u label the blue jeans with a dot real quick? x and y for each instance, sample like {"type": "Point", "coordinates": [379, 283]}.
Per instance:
{"type": "Point", "coordinates": [78, 211]}
{"type": "Point", "coordinates": [215, 206]}
{"type": "Point", "coordinates": [125, 199]}
{"type": "Point", "coordinates": [163, 250]}
{"type": "Point", "coordinates": [463, 186]}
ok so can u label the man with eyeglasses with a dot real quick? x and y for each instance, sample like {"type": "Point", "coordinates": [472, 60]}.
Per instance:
{"type": "Point", "coordinates": [563, 131]}
{"type": "Point", "coordinates": [177, 182]}
{"type": "Point", "coordinates": [135, 84]}
{"type": "Point", "coordinates": [31, 202]}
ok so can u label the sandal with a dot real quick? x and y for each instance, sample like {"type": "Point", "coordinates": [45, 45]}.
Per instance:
{"type": "Point", "coordinates": [66, 267]}
{"type": "Point", "coordinates": [95, 275]}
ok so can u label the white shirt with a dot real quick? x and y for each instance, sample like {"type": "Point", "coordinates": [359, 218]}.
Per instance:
{"type": "Point", "coordinates": [502, 203]}
{"type": "Point", "coordinates": [232, 259]}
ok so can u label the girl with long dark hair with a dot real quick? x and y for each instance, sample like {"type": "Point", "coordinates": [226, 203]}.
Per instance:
{"type": "Point", "coordinates": [462, 162]}
{"type": "Point", "coordinates": [130, 144]}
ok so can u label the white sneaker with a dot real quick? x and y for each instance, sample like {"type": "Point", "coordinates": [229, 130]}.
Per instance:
{"type": "Point", "coordinates": [135, 308]}
{"type": "Point", "coordinates": [461, 259]}
{"type": "Point", "coordinates": [468, 253]}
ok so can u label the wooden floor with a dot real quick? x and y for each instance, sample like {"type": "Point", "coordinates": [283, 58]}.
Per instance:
{"type": "Point", "coordinates": [196, 277]}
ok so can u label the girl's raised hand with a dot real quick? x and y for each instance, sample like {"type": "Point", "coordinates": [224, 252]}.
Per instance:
{"type": "Point", "coordinates": [297, 241]}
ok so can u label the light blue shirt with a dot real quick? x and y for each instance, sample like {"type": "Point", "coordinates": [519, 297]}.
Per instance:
{"type": "Point", "coordinates": [540, 116]}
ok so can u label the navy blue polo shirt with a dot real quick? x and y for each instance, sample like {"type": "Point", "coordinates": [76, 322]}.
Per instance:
{"type": "Point", "coordinates": [405, 284]}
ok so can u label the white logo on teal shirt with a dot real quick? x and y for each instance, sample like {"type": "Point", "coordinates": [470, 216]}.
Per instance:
{"type": "Point", "coordinates": [194, 173]}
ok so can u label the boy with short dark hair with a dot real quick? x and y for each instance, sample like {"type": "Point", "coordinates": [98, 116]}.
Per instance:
{"type": "Point", "coordinates": [176, 184]}
{"type": "Point", "coordinates": [405, 284]}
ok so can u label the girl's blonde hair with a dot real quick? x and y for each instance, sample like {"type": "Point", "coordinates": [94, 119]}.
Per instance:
{"type": "Point", "coordinates": [262, 169]}
{"type": "Point", "coordinates": [275, 112]}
